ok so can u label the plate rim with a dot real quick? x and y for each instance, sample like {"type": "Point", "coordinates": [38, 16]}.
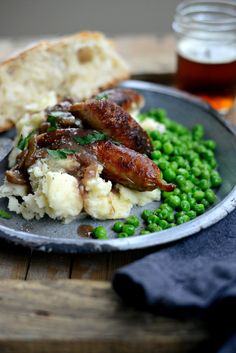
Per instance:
{"type": "Point", "coordinates": [82, 245]}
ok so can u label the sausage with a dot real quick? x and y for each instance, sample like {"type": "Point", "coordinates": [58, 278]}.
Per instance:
{"type": "Point", "coordinates": [128, 167]}
{"type": "Point", "coordinates": [121, 164]}
{"type": "Point", "coordinates": [106, 116]}
{"type": "Point", "coordinates": [127, 99]}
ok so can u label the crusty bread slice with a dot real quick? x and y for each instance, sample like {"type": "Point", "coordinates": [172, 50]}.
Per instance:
{"type": "Point", "coordinates": [77, 66]}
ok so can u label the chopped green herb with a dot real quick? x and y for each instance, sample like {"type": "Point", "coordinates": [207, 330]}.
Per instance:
{"type": "Point", "coordinates": [53, 121]}
{"type": "Point", "coordinates": [50, 129]}
{"type": "Point", "coordinates": [4, 214]}
{"type": "Point", "coordinates": [90, 138]}
{"type": "Point", "coordinates": [102, 96]}
{"type": "Point", "coordinates": [23, 141]}
{"type": "Point", "coordinates": [60, 154]}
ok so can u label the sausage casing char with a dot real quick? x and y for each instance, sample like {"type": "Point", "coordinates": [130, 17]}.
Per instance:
{"type": "Point", "coordinates": [106, 116]}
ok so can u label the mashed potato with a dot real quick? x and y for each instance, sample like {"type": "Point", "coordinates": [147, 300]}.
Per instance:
{"type": "Point", "coordinates": [59, 195]}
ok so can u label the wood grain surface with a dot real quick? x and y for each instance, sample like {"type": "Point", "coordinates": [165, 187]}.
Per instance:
{"type": "Point", "coordinates": [86, 316]}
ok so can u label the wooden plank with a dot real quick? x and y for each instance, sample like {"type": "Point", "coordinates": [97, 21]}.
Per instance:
{"type": "Point", "coordinates": [49, 266]}
{"type": "Point", "coordinates": [101, 267]}
{"type": "Point", "coordinates": [14, 261]}
{"type": "Point", "coordinates": [90, 266]}
{"type": "Point", "coordinates": [86, 316]}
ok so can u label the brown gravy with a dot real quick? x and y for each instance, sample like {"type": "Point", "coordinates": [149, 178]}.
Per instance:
{"type": "Point", "coordinates": [85, 230]}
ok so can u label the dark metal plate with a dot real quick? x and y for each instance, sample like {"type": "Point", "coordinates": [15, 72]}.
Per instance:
{"type": "Point", "coordinates": [49, 235]}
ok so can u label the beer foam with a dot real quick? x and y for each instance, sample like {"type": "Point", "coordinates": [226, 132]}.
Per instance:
{"type": "Point", "coordinates": [202, 52]}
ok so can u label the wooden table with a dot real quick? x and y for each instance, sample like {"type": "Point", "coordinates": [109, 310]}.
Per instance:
{"type": "Point", "coordinates": [64, 303]}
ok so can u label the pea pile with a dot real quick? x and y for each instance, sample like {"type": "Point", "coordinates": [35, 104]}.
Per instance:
{"type": "Point", "coordinates": [186, 159]}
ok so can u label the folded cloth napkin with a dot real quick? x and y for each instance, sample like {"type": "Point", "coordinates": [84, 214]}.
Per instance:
{"type": "Point", "coordinates": [195, 276]}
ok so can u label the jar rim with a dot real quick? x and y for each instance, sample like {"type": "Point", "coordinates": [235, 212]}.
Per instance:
{"type": "Point", "coordinates": [203, 15]}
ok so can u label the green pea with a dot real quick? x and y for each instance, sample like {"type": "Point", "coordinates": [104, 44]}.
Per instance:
{"type": "Point", "coordinates": [180, 180]}
{"type": "Point", "coordinates": [192, 202]}
{"type": "Point", "coordinates": [193, 179]}
{"type": "Point", "coordinates": [184, 172]}
{"type": "Point", "coordinates": [144, 232]}
{"type": "Point", "coordinates": [213, 163]}
{"type": "Point", "coordinates": [208, 155]}
{"type": "Point", "coordinates": [173, 201]}
{"type": "Point", "coordinates": [191, 155]}
{"type": "Point", "coordinates": [153, 227]}
{"type": "Point", "coordinates": [168, 148]}
{"type": "Point", "coordinates": [216, 180]}
{"type": "Point", "coordinates": [185, 205]}
{"type": "Point", "coordinates": [177, 191]}
{"type": "Point", "coordinates": [165, 194]}
{"type": "Point", "coordinates": [128, 229]}
{"type": "Point", "coordinates": [163, 214]}
{"type": "Point", "coordinates": [145, 214]}
{"type": "Point", "coordinates": [198, 132]}
{"type": "Point", "coordinates": [165, 206]}
{"type": "Point", "coordinates": [169, 175]}
{"type": "Point", "coordinates": [163, 164]}
{"type": "Point", "coordinates": [122, 235]}
{"type": "Point", "coordinates": [198, 195]}
{"type": "Point", "coordinates": [157, 145]}
{"type": "Point", "coordinates": [156, 154]}
{"type": "Point", "coordinates": [210, 196]}
{"type": "Point", "coordinates": [187, 186]}
{"type": "Point", "coordinates": [117, 227]}
{"type": "Point", "coordinates": [191, 214]}
{"type": "Point", "coordinates": [205, 203]}
{"type": "Point", "coordinates": [163, 224]}
{"type": "Point", "coordinates": [155, 135]}
{"type": "Point", "coordinates": [182, 219]}
{"type": "Point", "coordinates": [183, 196]}
{"type": "Point", "coordinates": [199, 208]}
{"type": "Point", "coordinates": [152, 219]}
{"type": "Point", "coordinates": [197, 163]}
{"type": "Point", "coordinates": [170, 218]}
{"type": "Point", "coordinates": [133, 220]}
{"type": "Point", "coordinates": [210, 144]}
{"type": "Point", "coordinates": [204, 184]}
{"type": "Point", "coordinates": [100, 233]}
{"type": "Point", "coordinates": [174, 165]}
{"type": "Point", "coordinates": [205, 174]}
{"type": "Point", "coordinates": [196, 171]}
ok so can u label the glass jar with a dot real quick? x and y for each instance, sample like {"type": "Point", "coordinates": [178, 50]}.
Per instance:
{"type": "Point", "coordinates": [206, 50]}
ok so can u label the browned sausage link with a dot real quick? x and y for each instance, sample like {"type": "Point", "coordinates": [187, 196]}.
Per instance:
{"type": "Point", "coordinates": [108, 117]}
{"type": "Point", "coordinates": [127, 99]}
{"type": "Point", "coordinates": [129, 168]}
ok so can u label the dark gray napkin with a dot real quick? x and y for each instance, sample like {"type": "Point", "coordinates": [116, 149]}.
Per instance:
{"type": "Point", "coordinates": [195, 276]}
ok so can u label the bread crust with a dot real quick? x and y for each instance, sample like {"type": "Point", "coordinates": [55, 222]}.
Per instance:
{"type": "Point", "coordinates": [57, 52]}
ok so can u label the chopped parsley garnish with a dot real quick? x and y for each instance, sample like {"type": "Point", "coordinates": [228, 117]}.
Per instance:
{"type": "Point", "coordinates": [60, 154]}
{"type": "Point", "coordinates": [52, 119]}
{"type": "Point", "coordinates": [101, 97]}
{"type": "Point", "coordinates": [90, 138]}
{"type": "Point", "coordinates": [23, 141]}
{"type": "Point", "coordinates": [4, 214]}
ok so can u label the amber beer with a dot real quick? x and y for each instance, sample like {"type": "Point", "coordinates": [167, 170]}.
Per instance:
{"type": "Point", "coordinates": [210, 74]}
